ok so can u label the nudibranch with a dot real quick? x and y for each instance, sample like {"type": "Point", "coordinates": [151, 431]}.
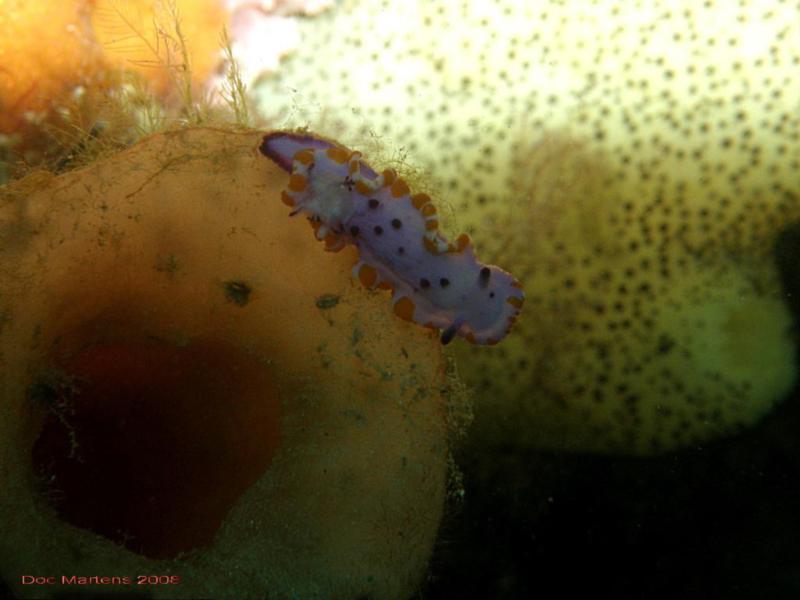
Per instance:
{"type": "Point", "coordinates": [435, 283]}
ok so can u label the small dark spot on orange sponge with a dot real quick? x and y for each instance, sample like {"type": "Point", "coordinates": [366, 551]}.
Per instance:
{"type": "Point", "coordinates": [237, 292]}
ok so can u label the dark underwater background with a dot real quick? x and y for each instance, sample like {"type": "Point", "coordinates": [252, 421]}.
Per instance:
{"type": "Point", "coordinates": [720, 520]}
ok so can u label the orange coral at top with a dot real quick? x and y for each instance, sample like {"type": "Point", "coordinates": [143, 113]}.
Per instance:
{"type": "Point", "coordinates": [45, 49]}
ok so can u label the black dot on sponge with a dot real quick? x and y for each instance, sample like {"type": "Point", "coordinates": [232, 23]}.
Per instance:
{"type": "Point", "coordinates": [237, 292]}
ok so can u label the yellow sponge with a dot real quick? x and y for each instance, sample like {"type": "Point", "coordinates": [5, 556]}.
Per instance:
{"type": "Point", "coordinates": [649, 325]}
{"type": "Point", "coordinates": [634, 162]}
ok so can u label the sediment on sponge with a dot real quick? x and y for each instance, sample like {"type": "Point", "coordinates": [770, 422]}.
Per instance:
{"type": "Point", "coordinates": [190, 386]}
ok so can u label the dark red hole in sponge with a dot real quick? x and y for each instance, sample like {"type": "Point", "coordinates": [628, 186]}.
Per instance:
{"type": "Point", "coordinates": [166, 439]}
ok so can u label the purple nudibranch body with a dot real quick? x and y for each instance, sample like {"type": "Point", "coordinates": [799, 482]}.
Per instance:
{"type": "Point", "coordinates": [435, 283]}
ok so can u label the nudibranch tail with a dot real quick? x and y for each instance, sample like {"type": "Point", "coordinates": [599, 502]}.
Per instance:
{"type": "Point", "coordinates": [435, 283]}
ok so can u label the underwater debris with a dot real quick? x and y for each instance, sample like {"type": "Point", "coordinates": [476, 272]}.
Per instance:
{"type": "Point", "coordinates": [167, 264]}
{"type": "Point", "coordinates": [172, 44]}
{"type": "Point", "coordinates": [55, 390]}
{"type": "Point", "coordinates": [237, 292]}
{"type": "Point", "coordinates": [327, 301]}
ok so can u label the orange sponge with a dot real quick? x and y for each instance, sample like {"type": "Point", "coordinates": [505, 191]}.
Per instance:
{"type": "Point", "coordinates": [185, 370]}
